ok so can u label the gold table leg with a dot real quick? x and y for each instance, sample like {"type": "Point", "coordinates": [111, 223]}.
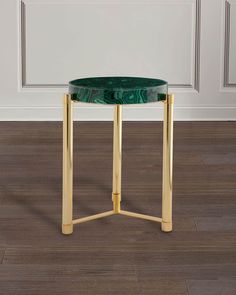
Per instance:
{"type": "Point", "coordinates": [67, 198]}
{"type": "Point", "coordinates": [117, 146]}
{"type": "Point", "coordinates": [166, 224]}
{"type": "Point", "coordinates": [67, 215]}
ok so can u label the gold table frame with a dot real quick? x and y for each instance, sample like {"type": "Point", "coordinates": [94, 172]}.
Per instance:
{"type": "Point", "coordinates": [67, 199]}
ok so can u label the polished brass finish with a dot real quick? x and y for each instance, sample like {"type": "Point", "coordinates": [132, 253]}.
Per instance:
{"type": "Point", "coordinates": [116, 203]}
{"type": "Point", "coordinates": [92, 217]}
{"type": "Point", "coordinates": [117, 146]}
{"type": "Point", "coordinates": [67, 198]}
{"type": "Point", "coordinates": [166, 225]}
{"type": "Point", "coordinates": [142, 216]}
{"type": "Point", "coordinates": [166, 220]}
{"type": "Point", "coordinates": [112, 212]}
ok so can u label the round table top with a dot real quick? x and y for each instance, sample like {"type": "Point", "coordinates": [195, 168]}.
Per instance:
{"type": "Point", "coordinates": [118, 90]}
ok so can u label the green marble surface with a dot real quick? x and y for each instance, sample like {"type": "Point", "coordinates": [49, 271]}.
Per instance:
{"type": "Point", "coordinates": [118, 90]}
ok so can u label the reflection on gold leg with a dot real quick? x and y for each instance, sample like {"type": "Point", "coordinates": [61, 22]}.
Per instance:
{"type": "Point", "coordinates": [67, 198]}
{"type": "Point", "coordinates": [166, 224]}
{"type": "Point", "coordinates": [117, 146]}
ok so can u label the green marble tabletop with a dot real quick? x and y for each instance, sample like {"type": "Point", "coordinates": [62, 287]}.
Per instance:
{"type": "Point", "coordinates": [118, 90]}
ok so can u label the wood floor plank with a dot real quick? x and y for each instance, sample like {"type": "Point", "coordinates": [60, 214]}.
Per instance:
{"type": "Point", "coordinates": [50, 273]}
{"type": "Point", "coordinates": [164, 287]}
{"type": "Point", "coordinates": [2, 252]}
{"type": "Point", "coordinates": [124, 256]}
{"type": "Point", "coordinates": [212, 287]}
{"type": "Point", "coordinates": [189, 272]}
{"type": "Point", "coordinates": [218, 224]}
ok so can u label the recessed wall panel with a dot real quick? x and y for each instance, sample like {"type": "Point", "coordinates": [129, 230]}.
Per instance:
{"type": "Point", "coordinates": [232, 43]}
{"type": "Point", "coordinates": [66, 40]}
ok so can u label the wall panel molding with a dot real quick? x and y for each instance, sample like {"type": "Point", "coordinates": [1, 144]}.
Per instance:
{"type": "Point", "coordinates": [197, 43]}
{"type": "Point", "coordinates": [195, 85]}
{"type": "Point", "coordinates": [227, 29]}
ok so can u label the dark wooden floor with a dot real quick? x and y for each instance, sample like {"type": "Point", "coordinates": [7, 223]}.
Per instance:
{"type": "Point", "coordinates": [118, 255]}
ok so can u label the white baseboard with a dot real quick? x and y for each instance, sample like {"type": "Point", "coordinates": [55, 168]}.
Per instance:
{"type": "Point", "coordinates": [104, 113]}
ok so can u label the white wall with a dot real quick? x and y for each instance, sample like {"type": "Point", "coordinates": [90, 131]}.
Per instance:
{"type": "Point", "coordinates": [189, 43]}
